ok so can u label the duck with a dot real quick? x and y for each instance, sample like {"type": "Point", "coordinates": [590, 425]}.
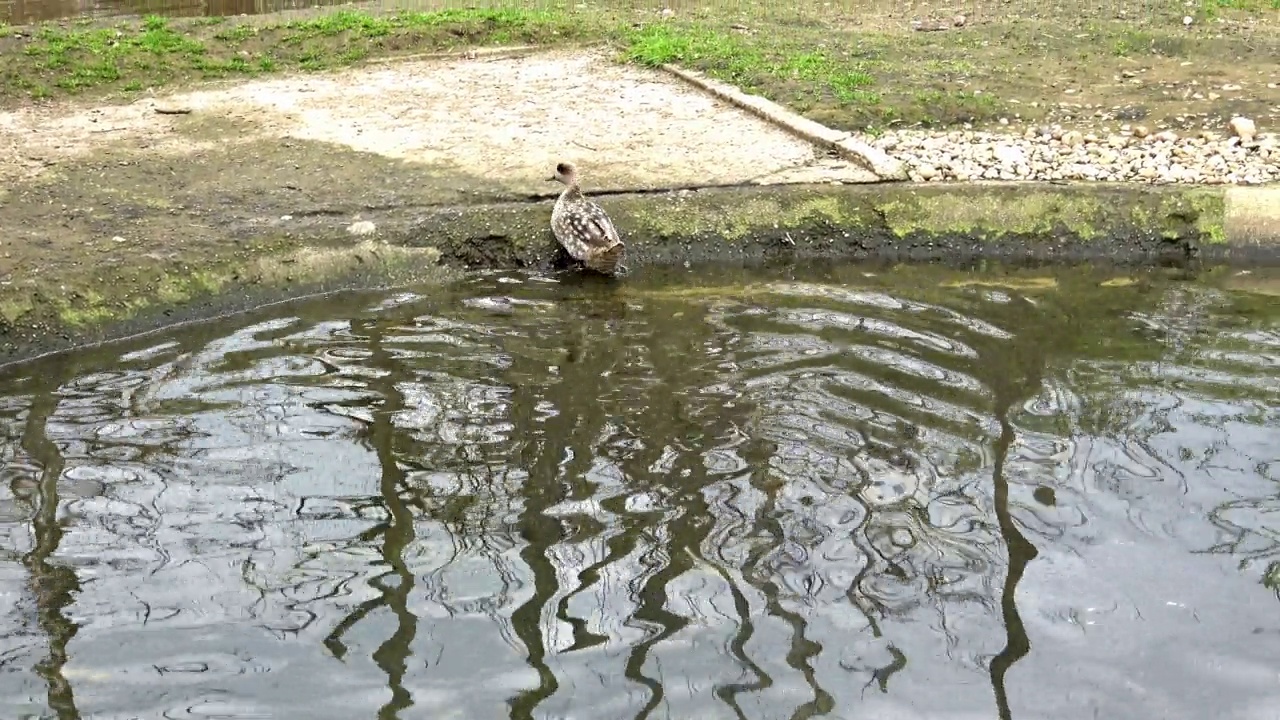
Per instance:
{"type": "Point", "coordinates": [583, 228]}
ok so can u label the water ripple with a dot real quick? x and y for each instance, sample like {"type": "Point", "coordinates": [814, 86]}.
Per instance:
{"type": "Point", "coordinates": [528, 497]}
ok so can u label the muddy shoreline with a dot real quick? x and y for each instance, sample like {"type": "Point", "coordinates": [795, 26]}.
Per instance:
{"type": "Point", "coordinates": [122, 218]}
{"type": "Point", "coordinates": [1013, 224]}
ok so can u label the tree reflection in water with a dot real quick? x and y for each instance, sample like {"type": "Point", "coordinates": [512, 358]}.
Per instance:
{"type": "Point", "coordinates": [750, 497]}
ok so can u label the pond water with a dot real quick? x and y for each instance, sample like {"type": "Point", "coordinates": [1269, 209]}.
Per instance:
{"type": "Point", "coordinates": [839, 491]}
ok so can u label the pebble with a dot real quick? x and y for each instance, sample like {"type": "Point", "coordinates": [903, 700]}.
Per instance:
{"type": "Point", "coordinates": [361, 228]}
{"type": "Point", "coordinates": [1244, 128]}
{"type": "Point", "coordinates": [1051, 153]}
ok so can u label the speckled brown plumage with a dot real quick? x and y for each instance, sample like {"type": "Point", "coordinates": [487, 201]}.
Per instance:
{"type": "Point", "coordinates": [583, 228]}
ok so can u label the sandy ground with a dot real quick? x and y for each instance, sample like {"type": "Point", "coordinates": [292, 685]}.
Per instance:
{"type": "Point", "coordinates": [506, 118]}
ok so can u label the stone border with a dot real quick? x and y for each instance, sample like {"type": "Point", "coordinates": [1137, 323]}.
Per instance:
{"type": "Point", "coordinates": [1017, 223]}
{"type": "Point", "coordinates": [843, 144]}
{"type": "Point", "coordinates": [1251, 218]}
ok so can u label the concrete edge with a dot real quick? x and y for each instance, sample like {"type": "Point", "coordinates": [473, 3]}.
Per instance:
{"type": "Point", "coordinates": [843, 144]}
{"type": "Point", "coordinates": [1015, 222]}
{"type": "Point", "coordinates": [1011, 223]}
{"type": "Point", "coordinates": [1251, 215]}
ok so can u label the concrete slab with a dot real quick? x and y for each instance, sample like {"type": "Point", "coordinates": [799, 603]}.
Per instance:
{"type": "Point", "coordinates": [1252, 215]}
{"type": "Point", "coordinates": [509, 119]}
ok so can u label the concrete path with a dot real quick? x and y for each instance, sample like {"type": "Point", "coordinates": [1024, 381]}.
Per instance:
{"type": "Point", "coordinates": [505, 120]}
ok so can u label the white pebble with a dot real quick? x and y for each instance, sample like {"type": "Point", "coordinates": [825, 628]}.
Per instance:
{"type": "Point", "coordinates": [362, 228]}
{"type": "Point", "coordinates": [1051, 153]}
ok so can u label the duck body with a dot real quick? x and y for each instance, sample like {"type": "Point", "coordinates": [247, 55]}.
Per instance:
{"type": "Point", "coordinates": [583, 228]}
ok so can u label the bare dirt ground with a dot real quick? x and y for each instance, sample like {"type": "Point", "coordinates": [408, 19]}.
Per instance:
{"type": "Point", "coordinates": [505, 119]}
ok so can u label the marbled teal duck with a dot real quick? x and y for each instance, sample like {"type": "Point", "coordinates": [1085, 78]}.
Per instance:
{"type": "Point", "coordinates": [583, 228]}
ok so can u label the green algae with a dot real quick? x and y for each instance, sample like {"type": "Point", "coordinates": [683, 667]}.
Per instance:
{"type": "Point", "coordinates": [88, 307]}
{"type": "Point", "coordinates": [705, 214]}
{"type": "Point", "coordinates": [1019, 210]}
{"type": "Point", "coordinates": [712, 225]}
{"type": "Point", "coordinates": [1194, 211]}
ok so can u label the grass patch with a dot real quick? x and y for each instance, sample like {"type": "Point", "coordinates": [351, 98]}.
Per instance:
{"type": "Point", "coordinates": [852, 85]}
{"type": "Point", "coordinates": [130, 56]}
{"type": "Point", "coordinates": [852, 65]}
{"type": "Point", "coordinates": [821, 76]}
{"type": "Point", "coordinates": [1216, 8]}
{"type": "Point", "coordinates": [752, 64]}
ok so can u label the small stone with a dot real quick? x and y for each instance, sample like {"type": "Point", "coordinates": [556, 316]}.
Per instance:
{"type": "Point", "coordinates": [958, 20]}
{"type": "Point", "coordinates": [118, 239]}
{"type": "Point", "coordinates": [362, 228]}
{"type": "Point", "coordinates": [902, 537]}
{"type": "Point", "coordinates": [286, 218]}
{"type": "Point", "coordinates": [1166, 136]}
{"type": "Point", "coordinates": [1244, 128]}
{"type": "Point", "coordinates": [1009, 155]}
{"type": "Point", "coordinates": [1187, 20]}
{"type": "Point", "coordinates": [1072, 138]}
{"type": "Point", "coordinates": [927, 172]}
{"type": "Point", "coordinates": [168, 109]}
{"type": "Point", "coordinates": [1141, 131]}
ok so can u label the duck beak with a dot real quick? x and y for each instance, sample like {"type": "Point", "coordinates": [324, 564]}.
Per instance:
{"type": "Point", "coordinates": [552, 178]}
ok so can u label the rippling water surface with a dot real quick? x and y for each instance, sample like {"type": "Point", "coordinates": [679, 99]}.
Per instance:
{"type": "Point", "coordinates": [716, 494]}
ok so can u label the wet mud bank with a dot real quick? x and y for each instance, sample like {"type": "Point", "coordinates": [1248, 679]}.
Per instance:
{"type": "Point", "coordinates": [205, 255]}
{"type": "Point", "coordinates": [1014, 223]}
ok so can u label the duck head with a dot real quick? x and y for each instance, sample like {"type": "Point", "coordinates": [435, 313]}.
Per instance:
{"type": "Point", "coordinates": [565, 173]}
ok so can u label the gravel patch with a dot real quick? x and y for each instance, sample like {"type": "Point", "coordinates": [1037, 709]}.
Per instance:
{"type": "Point", "coordinates": [1134, 154]}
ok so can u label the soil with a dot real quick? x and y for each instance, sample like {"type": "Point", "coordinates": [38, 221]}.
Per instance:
{"type": "Point", "coordinates": [1074, 63]}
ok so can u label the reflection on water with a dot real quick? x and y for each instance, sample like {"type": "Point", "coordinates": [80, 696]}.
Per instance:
{"type": "Point", "coordinates": [724, 495]}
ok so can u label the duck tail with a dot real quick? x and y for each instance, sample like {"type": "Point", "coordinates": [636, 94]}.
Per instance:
{"type": "Point", "coordinates": [608, 261]}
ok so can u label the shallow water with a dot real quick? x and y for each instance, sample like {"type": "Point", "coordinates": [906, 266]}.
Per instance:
{"type": "Point", "coordinates": [839, 492]}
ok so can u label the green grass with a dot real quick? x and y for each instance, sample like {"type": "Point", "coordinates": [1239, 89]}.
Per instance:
{"type": "Point", "coordinates": [838, 63]}
{"type": "Point", "coordinates": [752, 64]}
{"type": "Point", "coordinates": [129, 57]}
{"type": "Point", "coordinates": [1214, 8]}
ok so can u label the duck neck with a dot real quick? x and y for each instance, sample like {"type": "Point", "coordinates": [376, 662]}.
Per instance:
{"type": "Point", "coordinates": [571, 190]}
